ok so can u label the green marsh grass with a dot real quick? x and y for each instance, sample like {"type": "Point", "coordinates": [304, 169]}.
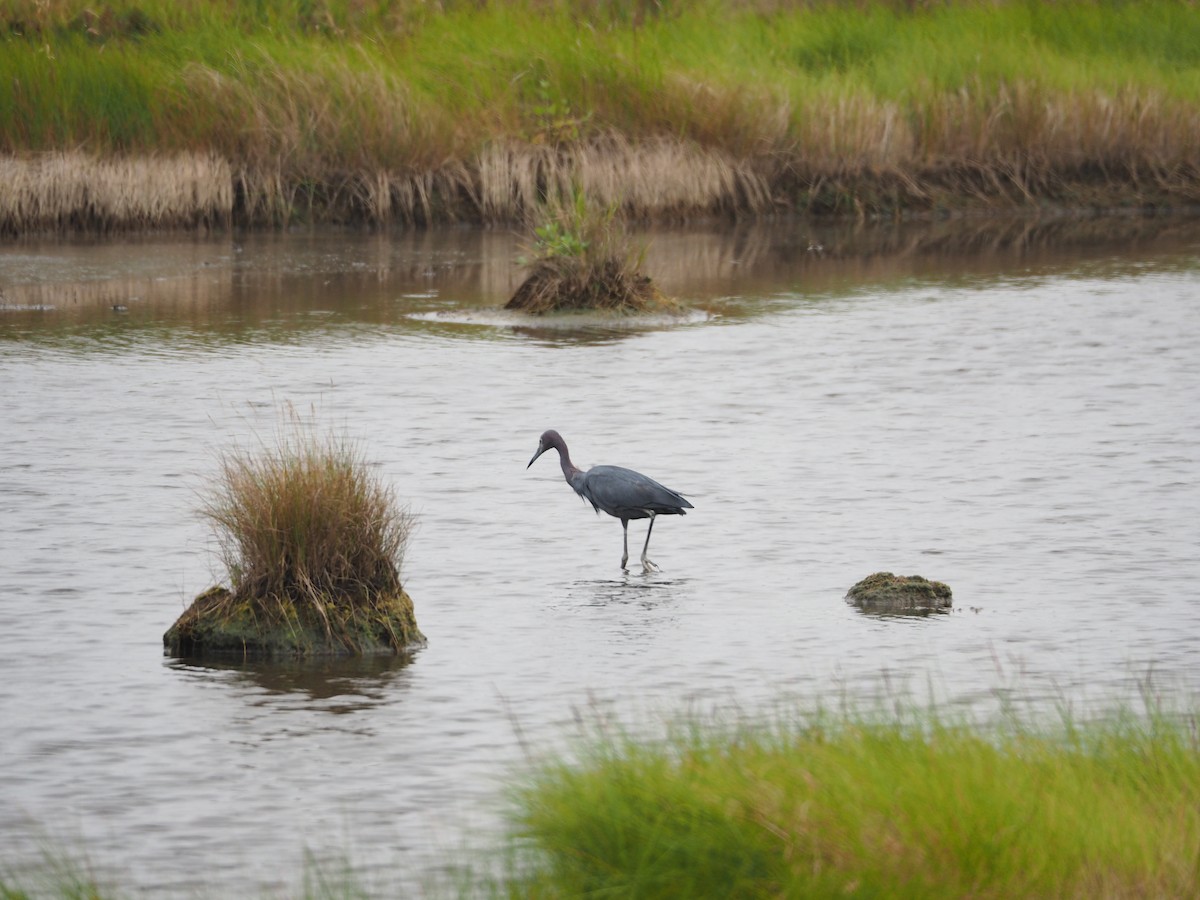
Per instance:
{"type": "Point", "coordinates": [51, 872]}
{"type": "Point", "coordinates": [67, 875]}
{"type": "Point", "coordinates": [900, 807]}
{"type": "Point", "coordinates": [401, 111]}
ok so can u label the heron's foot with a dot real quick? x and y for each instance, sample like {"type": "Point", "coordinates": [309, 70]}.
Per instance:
{"type": "Point", "coordinates": [649, 566]}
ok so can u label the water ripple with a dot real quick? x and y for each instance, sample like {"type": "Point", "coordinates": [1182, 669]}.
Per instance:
{"type": "Point", "coordinates": [1028, 438]}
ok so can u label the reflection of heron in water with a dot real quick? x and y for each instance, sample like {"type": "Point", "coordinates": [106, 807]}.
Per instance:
{"type": "Point", "coordinates": [620, 492]}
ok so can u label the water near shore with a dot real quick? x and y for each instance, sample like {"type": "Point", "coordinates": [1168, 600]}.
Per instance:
{"type": "Point", "coordinates": [1007, 407]}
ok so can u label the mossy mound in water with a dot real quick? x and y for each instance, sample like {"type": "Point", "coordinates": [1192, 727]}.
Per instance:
{"type": "Point", "coordinates": [312, 542]}
{"type": "Point", "coordinates": [569, 284]}
{"type": "Point", "coordinates": [219, 624]}
{"type": "Point", "coordinates": [885, 592]}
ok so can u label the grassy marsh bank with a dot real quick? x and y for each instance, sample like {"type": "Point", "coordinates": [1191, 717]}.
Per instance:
{"type": "Point", "coordinates": [407, 112]}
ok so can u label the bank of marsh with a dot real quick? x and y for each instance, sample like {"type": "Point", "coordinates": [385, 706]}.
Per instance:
{"type": "Point", "coordinates": [396, 112]}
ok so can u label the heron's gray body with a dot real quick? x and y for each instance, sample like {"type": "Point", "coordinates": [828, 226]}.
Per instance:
{"type": "Point", "coordinates": [620, 492]}
{"type": "Point", "coordinates": [626, 494]}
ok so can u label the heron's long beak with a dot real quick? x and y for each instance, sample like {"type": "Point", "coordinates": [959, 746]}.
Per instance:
{"type": "Point", "coordinates": [540, 451]}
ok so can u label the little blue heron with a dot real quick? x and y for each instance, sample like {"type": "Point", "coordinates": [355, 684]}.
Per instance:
{"type": "Point", "coordinates": [622, 493]}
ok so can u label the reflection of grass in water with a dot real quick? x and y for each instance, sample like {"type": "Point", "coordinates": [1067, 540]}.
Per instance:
{"type": "Point", "coordinates": [265, 294]}
{"type": "Point", "coordinates": [356, 678]}
{"type": "Point", "coordinates": [874, 807]}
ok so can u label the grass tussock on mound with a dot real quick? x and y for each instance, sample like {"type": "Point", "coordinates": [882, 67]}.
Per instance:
{"type": "Point", "coordinates": [313, 544]}
{"type": "Point", "coordinates": [583, 259]}
{"type": "Point", "coordinates": [834, 807]}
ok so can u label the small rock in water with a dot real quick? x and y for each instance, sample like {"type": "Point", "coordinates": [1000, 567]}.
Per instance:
{"type": "Point", "coordinates": [885, 592]}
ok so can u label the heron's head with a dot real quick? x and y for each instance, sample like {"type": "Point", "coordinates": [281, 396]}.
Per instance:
{"type": "Point", "coordinates": [548, 439]}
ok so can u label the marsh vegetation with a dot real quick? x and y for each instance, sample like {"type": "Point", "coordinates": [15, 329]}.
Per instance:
{"type": "Point", "coordinates": [899, 805]}
{"type": "Point", "coordinates": [414, 113]}
{"type": "Point", "coordinates": [312, 544]}
{"type": "Point", "coordinates": [583, 258]}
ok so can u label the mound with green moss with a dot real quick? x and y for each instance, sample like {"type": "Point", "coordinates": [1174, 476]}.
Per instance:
{"type": "Point", "coordinates": [885, 592]}
{"type": "Point", "coordinates": [218, 623]}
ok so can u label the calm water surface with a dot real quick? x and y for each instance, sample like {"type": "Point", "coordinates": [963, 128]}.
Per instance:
{"type": "Point", "coordinates": [1010, 408]}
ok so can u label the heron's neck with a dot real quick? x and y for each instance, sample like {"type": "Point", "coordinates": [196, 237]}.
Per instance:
{"type": "Point", "coordinates": [569, 469]}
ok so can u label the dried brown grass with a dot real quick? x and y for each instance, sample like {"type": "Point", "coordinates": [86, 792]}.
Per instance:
{"type": "Point", "coordinates": [78, 192]}
{"type": "Point", "coordinates": [655, 179]}
{"type": "Point", "coordinates": [1022, 144]}
{"type": "Point", "coordinates": [1018, 145]}
{"type": "Point", "coordinates": [309, 537]}
{"type": "Point", "coordinates": [337, 143]}
{"type": "Point", "coordinates": [180, 292]}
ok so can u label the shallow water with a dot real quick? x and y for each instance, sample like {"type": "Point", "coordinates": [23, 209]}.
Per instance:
{"type": "Point", "coordinates": [1007, 407]}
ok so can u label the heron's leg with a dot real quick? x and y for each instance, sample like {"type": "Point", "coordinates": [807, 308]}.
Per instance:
{"type": "Point", "coordinates": [647, 565]}
{"type": "Point", "coordinates": [625, 542]}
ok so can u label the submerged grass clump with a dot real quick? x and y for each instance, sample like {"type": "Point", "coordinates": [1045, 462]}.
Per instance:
{"type": "Point", "coordinates": [833, 807]}
{"type": "Point", "coordinates": [313, 545]}
{"type": "Point", "coordinates": [584, 259]}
